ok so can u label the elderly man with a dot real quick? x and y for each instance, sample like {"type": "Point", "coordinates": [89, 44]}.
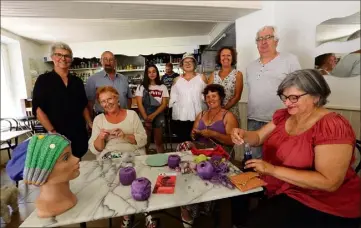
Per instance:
{"type": "Point", "coordinates": [263, 77]}
{"type": "Point", "coordinates": [59, 101]}
{"type": "Point", "coordinates": [108, 77]}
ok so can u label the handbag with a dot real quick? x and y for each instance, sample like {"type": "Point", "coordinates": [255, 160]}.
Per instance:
{"type": "Point", "coordinates": [149, 102]}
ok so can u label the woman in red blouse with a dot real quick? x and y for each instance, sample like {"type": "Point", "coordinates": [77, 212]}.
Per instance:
{"type": "Point", "coordinates": [308, 153]}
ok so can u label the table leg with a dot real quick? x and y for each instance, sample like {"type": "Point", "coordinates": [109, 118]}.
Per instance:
{"type": "Point", "coordinates": [110, 223]}
{"type": "Point", "coordinates": [83, 225]}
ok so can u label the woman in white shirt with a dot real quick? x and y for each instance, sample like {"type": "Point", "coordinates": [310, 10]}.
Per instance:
{"type": "Point", "coordinates": [186, 97]}
{"type": "Point", "coordinates": [117, 130]}
{"type": "Point", "coordinates": [152, 99]}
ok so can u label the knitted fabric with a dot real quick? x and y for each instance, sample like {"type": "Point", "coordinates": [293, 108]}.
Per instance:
{"type": "Point", "coordinates": [42, 153]}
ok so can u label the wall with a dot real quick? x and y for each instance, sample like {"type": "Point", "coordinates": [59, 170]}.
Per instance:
{"type": "Point", "coordinates": [25, 55]}
{"type": "Point", "coordinates": [136, 47]}
{"type": "Point", "coordinates": [296, 22]}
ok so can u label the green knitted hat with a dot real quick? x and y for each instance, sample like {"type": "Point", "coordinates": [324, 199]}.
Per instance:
{"type": "Point", "coordinates": [42, 154]}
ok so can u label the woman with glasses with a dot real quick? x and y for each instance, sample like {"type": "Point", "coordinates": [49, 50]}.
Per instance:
{"type": "Point", "coordinates": [229, 78]}
{"type": "Point", "coordinates": [152, 99]}
{"type": "Point", "coordinates": [117, 130]}
{"type": "Point", "coordinates": [186, 97]}
{"type": "Point", "coordinates": [59, 101]}
{"type": "Point", "coordinates": [308, 153]}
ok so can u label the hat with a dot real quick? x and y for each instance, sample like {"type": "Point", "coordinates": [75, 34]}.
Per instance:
{"type": "Point", "coordinates": [42, 153]}
{"type": "Point", "coordinates": [188, 55]}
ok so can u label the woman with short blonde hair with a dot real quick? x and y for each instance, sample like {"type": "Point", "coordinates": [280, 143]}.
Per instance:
{"type": "Point", "coordinates": [117, 130]}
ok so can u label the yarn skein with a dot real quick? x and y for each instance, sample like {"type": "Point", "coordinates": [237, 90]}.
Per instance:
{"type": "Point", "coordinates": [205, 170]}
{"type": "Point", "coordinates": [141, 189]}
{"type": "Point", "coordinates": [173, 161]}
{"type": "Point", "coordinates": [127, 175]}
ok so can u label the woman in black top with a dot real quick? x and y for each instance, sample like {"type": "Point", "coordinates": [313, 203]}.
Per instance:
{"type": "Point", "coordinates": [60, 103]}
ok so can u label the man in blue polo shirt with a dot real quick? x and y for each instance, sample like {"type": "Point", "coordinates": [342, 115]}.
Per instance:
{"type": "Point", "coordinates": [107, 77]}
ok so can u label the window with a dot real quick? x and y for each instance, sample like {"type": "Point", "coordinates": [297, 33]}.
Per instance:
{"type": "Point", "coordinates": [7, 98]}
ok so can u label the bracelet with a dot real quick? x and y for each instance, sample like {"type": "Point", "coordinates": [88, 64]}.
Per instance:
{"type": "Point", "coordinates": [52, 131]}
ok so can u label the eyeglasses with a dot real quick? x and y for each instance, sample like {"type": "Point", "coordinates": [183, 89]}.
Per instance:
{"type": "Point", "coordinates": [188, 62]}
{"type": "Point", "coordinates": [266, 38]}
{"type": "Point", "coordinates": [59, 55]}
{"type": "Point", "coordinates": [106, 101]}
{"type": "Point", "coordinates": [292, 98]}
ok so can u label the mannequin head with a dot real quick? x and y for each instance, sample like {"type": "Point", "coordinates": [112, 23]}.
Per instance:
{"type": "Point", "coordinates": [49, 160]}
{"type": "Point", "coordinates": [65, 169]}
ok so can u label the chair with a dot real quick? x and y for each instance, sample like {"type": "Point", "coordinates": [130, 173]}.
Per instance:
{"type": "Point", "coordinates": [9, 124]}
{"type": "Point", "coordinates": [358, 147]}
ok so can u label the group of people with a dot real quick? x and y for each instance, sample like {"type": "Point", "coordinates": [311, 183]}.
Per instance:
{"type": "Point", "coordinates": [303, 152]}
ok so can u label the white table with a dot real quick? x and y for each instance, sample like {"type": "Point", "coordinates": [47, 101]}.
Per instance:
{"type": "Point", "coordinates": [9, 135]}
{"type": "Point", "coordinates": [100, 195]}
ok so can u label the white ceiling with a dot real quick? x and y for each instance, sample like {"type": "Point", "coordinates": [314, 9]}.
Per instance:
{"type": "Point", "coordinates": [78, 21]}
{"type": "Point", "coordinates": [46, 30]}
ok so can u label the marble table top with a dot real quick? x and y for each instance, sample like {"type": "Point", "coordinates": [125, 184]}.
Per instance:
{"type": "Point", "coordinates": [100, 195]}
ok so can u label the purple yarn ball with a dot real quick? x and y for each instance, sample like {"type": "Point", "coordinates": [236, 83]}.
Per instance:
{"type": "Point", "coordinates": [141, 189]}
{"type": "Point", "coordinates": [205, 170]}
{"type": "Point", "coordinates": [173, 161]}
{"type": "Point", "coordinates": [127, 175]}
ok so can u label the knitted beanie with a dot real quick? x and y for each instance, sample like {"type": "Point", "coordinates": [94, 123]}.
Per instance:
{"type": "Point", "coordinates": [42, 153]}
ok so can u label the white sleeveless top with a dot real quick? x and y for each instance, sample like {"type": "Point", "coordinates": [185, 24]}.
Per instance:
{"type": "Point", "coordinates": [186, 98]}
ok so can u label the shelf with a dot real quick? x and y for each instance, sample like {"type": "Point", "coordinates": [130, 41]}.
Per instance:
{"type": "Point", "coordinates": [134, 70]}
{"type": "Point", "coordinates": [75, 69]}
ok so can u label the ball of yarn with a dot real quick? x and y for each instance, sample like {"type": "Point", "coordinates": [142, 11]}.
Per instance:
{"type": "Point", "coordinates": [200, 158]}
{"type": "Point", "coordinates": [141, 189]}
{"type": "Point", "coordinates": [127, 175]}
{"type": "Point", "coordinates": [173, 161]}
{"type": "Point", "coordinates": [205, 170]}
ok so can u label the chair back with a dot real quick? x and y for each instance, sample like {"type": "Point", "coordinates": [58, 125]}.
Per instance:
{"type": "Point", "coordinates": [9, 124]}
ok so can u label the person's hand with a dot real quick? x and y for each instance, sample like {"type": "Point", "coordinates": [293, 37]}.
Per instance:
{"type": "Point", "coordinates": [194, 133]}
{"type": "Point", "coordinates": [260, 166]}
{"type": "Point", "coordinates": [104, 134]}
{"type": "Point", "coordinates": [238, 136]}
{"type": "Point", "coordinates": [205, 133]}
{"type": "Point", "coordinates": [117, 133]}
{"type": "Point", "coordinates": [151, 117]}
{"type": "Point", "coordinates": [90, 124]}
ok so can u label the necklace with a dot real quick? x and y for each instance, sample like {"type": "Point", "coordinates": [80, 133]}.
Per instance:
{"type": "Point", "coordinates": [211, 120]}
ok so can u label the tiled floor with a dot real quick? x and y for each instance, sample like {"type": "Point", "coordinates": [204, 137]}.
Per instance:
{"type": "Point", "coordinates": [28, 195]}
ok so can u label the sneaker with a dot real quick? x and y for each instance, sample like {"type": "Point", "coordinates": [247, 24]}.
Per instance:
{"type": "Point", "coordinates": [126, 222]}
{"type": "Point", "coordinates": [151, 222]}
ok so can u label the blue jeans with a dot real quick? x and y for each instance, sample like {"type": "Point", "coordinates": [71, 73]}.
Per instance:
{"type": "Point", "coordinates": [254, 125]}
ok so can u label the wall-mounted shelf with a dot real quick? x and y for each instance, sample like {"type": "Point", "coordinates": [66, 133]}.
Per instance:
{"type": "Point", "coordinates": [75, 69]}
{"type": "Point", "coordinates": [132, 70]}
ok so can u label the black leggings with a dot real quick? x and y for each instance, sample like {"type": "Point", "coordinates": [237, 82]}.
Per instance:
{"type": "Point", "coordinates": [284, 212]}
{"type": "Point", "coordinates": [183, 130]}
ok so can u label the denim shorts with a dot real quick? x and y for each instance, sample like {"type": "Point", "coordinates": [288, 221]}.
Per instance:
{"type": "Point", "coordinates": [158, 121]}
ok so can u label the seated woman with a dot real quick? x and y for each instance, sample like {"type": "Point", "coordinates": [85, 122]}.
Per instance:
{"type": "Point", "coordinates": [308, 153]}
{"type": "Point", "coordinates": [214, 124]}
{"type": "Point", "coordinates": [117, 130]}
